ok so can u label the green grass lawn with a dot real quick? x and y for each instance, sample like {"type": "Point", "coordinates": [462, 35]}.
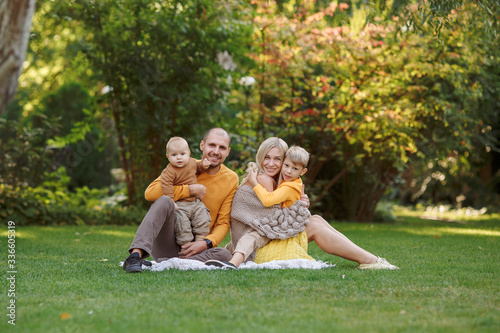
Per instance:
{"type": "Point", "coordinates": [69, 280]}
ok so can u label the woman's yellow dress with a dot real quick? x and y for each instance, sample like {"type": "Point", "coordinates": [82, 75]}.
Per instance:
{"type": "Point", "coordinates": [284, 249]}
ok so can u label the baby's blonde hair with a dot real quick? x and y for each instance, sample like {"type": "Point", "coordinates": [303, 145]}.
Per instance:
{"type": "Point", "coordinates": [176, 139]}
{"type": "Point", "coordinates": [298, 155]}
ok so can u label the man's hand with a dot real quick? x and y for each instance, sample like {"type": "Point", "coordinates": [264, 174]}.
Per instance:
{"type": "Point", "coordinates": [197, 190]}
{"type": "Point", "coordinates": [252, 178]}
{"type": "Point", "coordinates": [205, 163]}
{"type": "Point", "coordinates": [176, 207]}
{"type": "Point", "coordinates": [192, 248]}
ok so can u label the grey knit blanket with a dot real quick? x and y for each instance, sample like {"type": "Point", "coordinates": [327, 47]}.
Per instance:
{"type": "Point", "coordinates": [248, 214]}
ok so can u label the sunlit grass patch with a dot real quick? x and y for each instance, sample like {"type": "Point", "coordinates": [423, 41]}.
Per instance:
{"type": "Point", "coordinates": [446, 213]}
{"type": "Point", "coordinates": [448, 281]}
{"type": "Point", "coordinates": [451, 231]}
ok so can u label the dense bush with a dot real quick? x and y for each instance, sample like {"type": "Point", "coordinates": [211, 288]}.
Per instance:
{"type": "Point", "coordinates": [22, 150]}
{"type": "Point", "coordinates": [369, 101]}
{"type": "Point", "coordinates": [44, 206]}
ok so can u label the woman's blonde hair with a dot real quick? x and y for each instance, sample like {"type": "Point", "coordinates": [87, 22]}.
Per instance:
{"type": "Point", "coordinates": [264, 148]}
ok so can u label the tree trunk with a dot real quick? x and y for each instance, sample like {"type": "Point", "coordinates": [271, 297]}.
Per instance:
{"type": "Point", "coordinates": [15, 24]}
{"type": "Point", "coordinates": [123, 151]}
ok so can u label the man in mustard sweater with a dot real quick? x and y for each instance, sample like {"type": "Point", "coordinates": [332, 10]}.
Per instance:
{"type": "Point", "coordinates": [155, 235]}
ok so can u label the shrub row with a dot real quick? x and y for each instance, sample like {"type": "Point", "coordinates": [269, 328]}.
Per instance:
{"type": "Point", "coordinates": [39, 206]}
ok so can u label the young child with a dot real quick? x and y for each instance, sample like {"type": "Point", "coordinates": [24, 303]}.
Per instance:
{"type": "Point", "coordinates": [192, 219]}
{"type": "Point", "coordinates": [288, 191]}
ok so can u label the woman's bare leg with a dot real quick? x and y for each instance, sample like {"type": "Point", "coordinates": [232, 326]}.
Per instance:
{"type": "Point", "coordinates": [334, 242]}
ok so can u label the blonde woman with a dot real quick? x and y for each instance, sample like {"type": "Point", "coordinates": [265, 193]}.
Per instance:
{"type": "Point", "coordinates": [269, 161]}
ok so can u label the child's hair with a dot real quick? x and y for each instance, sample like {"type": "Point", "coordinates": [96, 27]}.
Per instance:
{"type": "Point", "coordinates": [298, 155]}
{"type": "Point", "coordinates": [174, 140]}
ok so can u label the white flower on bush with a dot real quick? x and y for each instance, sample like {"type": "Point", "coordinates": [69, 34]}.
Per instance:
{"type": "Point", "coordinates": [106, 89]}
{"type": "Point", "coordinates": [226, 61]}
{"type": "Point", "coordinates": [247, 81]}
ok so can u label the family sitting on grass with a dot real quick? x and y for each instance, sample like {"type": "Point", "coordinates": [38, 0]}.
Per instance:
{"type": "Point", "coordinates": [266, 214]}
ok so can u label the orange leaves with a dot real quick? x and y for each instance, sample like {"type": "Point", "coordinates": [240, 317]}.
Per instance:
{"type": "Point", "coordinates": [65, 316]}
{"type": "Point", "coordinates": [316, 17]}
{"type": "Point", "coordinates": [330, 10]}
{"type": "Point", "coordinates": [337, 31]}
{"type": "Point", "coordinates": [343, 6]}
{"type": "Point", "coordinates": [306, 112]}
{"type": "Point", "coordinates": [297, 101]}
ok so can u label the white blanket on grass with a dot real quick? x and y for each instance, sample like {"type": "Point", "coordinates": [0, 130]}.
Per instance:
{"type": "Point", "coordinates": [188, 264]}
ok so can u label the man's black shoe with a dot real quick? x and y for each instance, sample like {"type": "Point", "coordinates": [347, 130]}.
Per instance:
{"type": "Point", "coordinates": [146, 262]}
{"type": "Point", "coordinates": [133, 264]}
{"type": "Point", "coordinates": [220, 263]}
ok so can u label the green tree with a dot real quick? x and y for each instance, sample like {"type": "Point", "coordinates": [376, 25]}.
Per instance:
{"type": "Point", "coordinates": [160, 61]}
{"type": "Point", "coordinates": [365, 99]}
{"type": "Point", "coordinates": [58, 86]}
{"type": "Point", "coordinates": [480, 17]}
{"type": "Point", "coordinates": [82, 145]}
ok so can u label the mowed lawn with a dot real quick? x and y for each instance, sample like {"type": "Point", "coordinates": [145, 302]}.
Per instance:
{"type": "Point", "coordinates": [69, 280]}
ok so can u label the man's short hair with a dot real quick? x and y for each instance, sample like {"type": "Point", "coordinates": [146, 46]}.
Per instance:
{"type": "Point", "coordinates": [219, 131]}
{"type": "Point", "coordinates": [298, 155]}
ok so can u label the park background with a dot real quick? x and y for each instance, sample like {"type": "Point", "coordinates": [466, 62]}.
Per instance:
{"type": "Point", "coordinates": [393, 101]}
{"type": "Point", "coordinates": [397, 102]}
